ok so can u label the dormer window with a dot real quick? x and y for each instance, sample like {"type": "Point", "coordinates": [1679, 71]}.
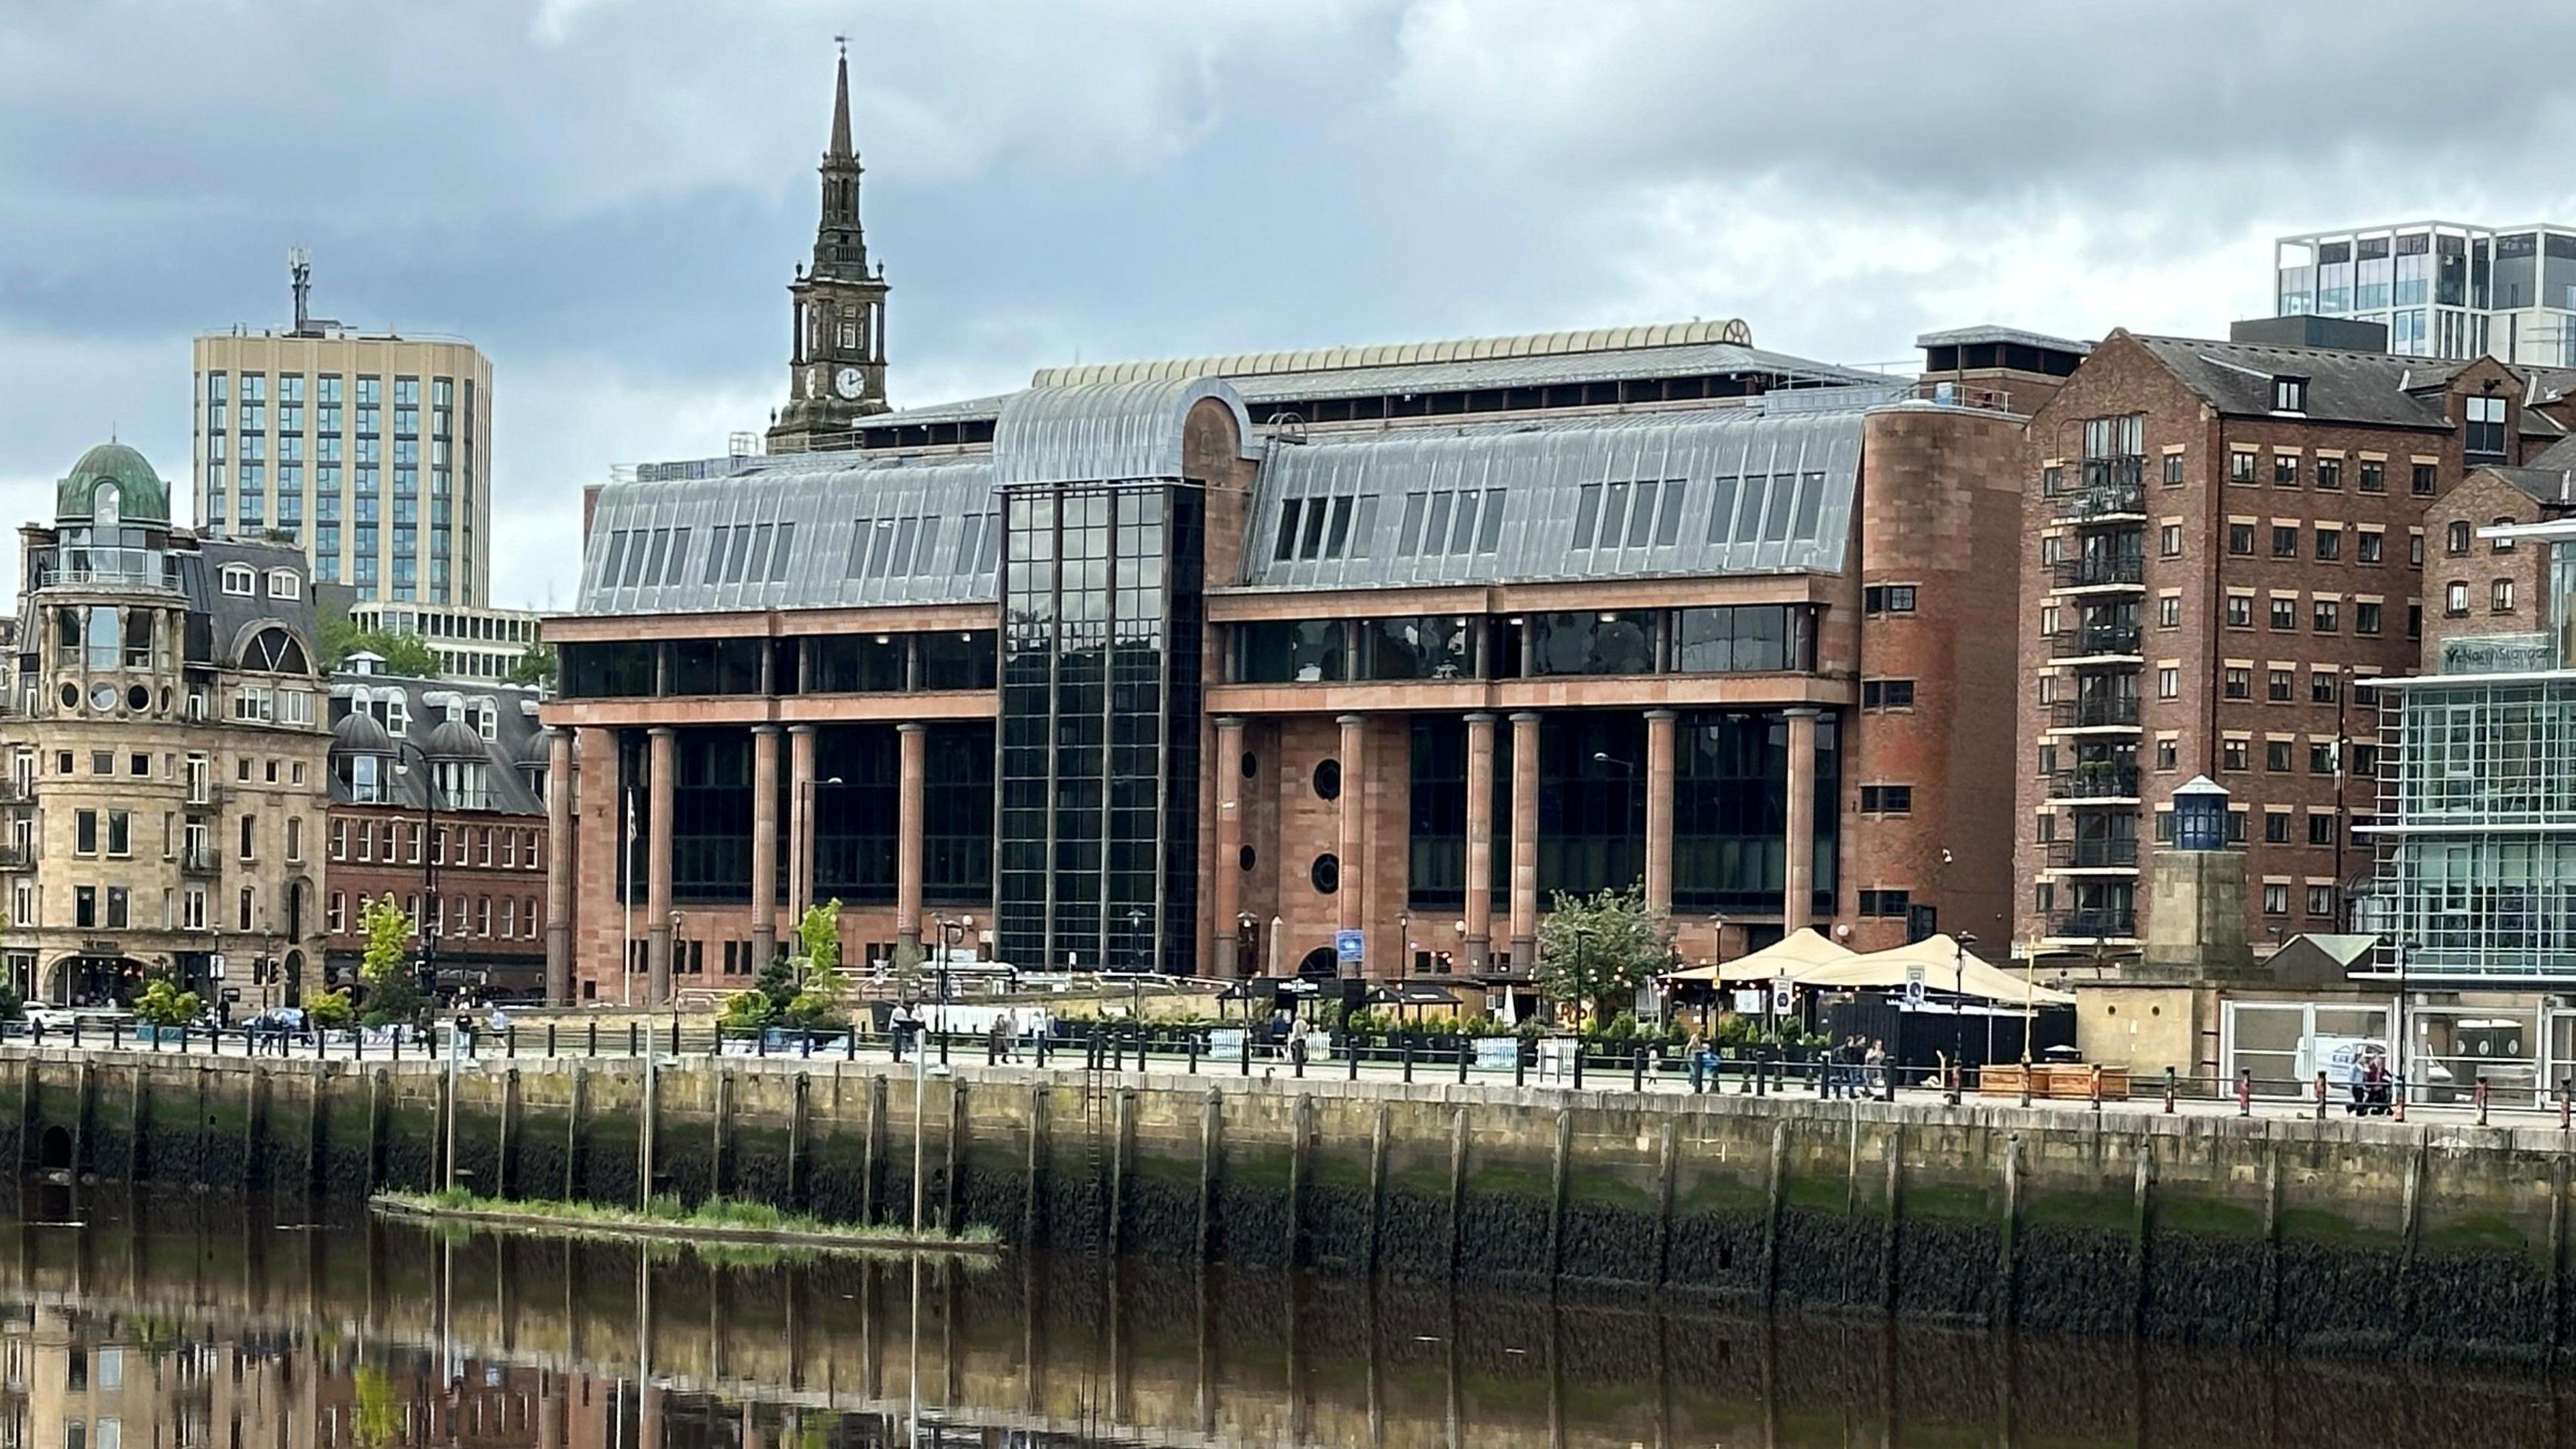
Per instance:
{"type": "Point", "coordinates": [239, 581]}
{"type": "Point", "coordinates": [285, 584]}
{"type": "Point", "coordinates": [2289, 394]}
{"type": "Point", "coordinates": [2485, 437]}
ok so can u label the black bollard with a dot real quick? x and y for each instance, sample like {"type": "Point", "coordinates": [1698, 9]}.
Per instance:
{"type": "Point", "coordinates": [1578, 1064]}
{"type": "Point", "coordinates": [1351, 1055]}
{"type": "Point", "coordinates": [510, 1042]}
{"type": "Point", "coordinates": [1637, 1070]}
{"type": "Point", "coordinates": [594, 1038]}
{"type": "Point", "coordinates": [1462, 1059]}
{"type": "Point", "coordinates": [1194, 1054]}
{"type": "Point", "coordinates": [1520, 1065]}
{"type": "Point", "coordinates": [634, 1040]}
{"type": "Point", "coordinates": [1407, 1055]}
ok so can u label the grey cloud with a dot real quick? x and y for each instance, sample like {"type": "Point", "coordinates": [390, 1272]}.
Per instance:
{"type": "Point", "coordinates": [608, 195]}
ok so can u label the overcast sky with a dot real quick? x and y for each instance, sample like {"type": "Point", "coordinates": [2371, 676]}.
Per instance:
{"type": "Point", "coordinates": [609, 195]}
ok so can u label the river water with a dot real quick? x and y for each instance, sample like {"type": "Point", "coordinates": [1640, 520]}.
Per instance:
{"type": "Point", "coordinates": [194, 1320]}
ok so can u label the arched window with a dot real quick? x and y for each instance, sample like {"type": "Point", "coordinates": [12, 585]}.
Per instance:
{"type": "Point", "coordinates": [277, 652]}
{"type": "Point", "coordinates": [106, 507]}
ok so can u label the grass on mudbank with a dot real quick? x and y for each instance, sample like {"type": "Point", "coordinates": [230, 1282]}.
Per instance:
{"type": "Point", "coordinates": [728, 1215]}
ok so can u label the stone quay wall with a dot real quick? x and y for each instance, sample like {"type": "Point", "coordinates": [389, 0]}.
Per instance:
{"type": "Point", "coordinates": [2340, 1235]}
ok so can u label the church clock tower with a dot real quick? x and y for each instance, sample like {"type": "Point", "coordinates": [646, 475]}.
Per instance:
{"type": "Point", "coordinates": [836, 364]}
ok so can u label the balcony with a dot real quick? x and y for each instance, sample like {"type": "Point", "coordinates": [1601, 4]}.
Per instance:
{"type": "Point", "coordinates": [2119, 711]}
{"type": "Point", "coordinates": [2106, 488]}
{"type": "Point", "coordinates": [2095, 854]}
{"type": "Point", "coordinates": [15, 790]}
{"type": "Point", "coordinates": [2094, 923]}
{"type": "Point", "coordinates": [2095, 641]}
{"type": "Point", "coordinates": [2095, 782]}
{"type": "Point", "coordinates": [17, 857]}
{"type": "Point", "coordinates": [199, 860]}
{"type": "Point", "coordinates": [2119, 571]}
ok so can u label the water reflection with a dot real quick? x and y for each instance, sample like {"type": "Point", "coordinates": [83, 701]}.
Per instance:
{"type": "Point", "coordinates": [197, 1322]}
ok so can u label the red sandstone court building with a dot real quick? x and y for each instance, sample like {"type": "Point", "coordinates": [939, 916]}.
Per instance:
{"type": "Point", "coordinates": [1199, 666]}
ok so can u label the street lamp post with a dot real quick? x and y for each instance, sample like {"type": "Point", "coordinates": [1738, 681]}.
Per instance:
{"type": "Point", "coordinates": [1958, 1011]}
{"type": "Point", "coordinates": [1628, 803]}
{"type": "Point", "coordinates": [812, 844]}
{"type": "Point", "coordinates": [431, 917]}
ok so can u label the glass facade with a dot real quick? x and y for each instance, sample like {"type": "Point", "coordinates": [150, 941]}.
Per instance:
{"type": "Point", "coordinates": [1102, 622]}
{"type": "Point", "coordinates": [2477, 860]}
{"type": "Point", "coordinates": [1731, 816]}
{"type": "Point", "coordinates": [1436, 862]}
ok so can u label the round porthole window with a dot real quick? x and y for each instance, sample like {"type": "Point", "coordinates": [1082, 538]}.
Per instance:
{"type": "Point", "coordinates": [1245, 856]}
{"type": "Point", "coordinates": [1326, 873]}
{"type": "Point", "coordinates": [165, 699]}
{"type": "Point", "coordinates": [71, 695]}
{"type": "Point", "coordinates": [138, 699]}
{"type": "Point", "coordinates": [102, 697]}
{"type": "Point", "coordinates": [1251, 766]}
{"type": "Point", "coordinates": [1328, 780]}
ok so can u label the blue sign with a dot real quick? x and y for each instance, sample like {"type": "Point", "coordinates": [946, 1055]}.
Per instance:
{"type": "Point", "coordinates": [1347, 947]}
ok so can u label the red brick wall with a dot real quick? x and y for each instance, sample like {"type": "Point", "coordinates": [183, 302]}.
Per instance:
{"type": "Point", "coordinates": [2122, 377]}
{"type": "Point", "coordinates": [1941, 509]}
{"type": "Point", "coordinates": [2479, 502]}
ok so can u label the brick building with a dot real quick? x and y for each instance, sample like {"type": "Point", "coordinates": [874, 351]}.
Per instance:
{"type": "Point", "coordinates": [2226, 542]}
{"type": "Point", "coordinates": [2479, 584]}
{"type": "Point", "coordinates": [438, 799]}
{"type": "Point", "coordinates": [1192, 665]}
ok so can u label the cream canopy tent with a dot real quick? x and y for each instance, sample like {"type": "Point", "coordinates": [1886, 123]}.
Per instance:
{"type": "Point", "coordinates": [1794, 956]}
{"type": "Point", "coordinates": [1945, 968]}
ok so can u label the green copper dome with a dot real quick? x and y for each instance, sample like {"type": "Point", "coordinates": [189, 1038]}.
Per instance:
{"type": "Point", "coordinates": [141, 496]}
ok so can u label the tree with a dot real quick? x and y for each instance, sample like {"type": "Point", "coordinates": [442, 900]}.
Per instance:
{"type": "Point", "coordinates": [404, 654]}
{"type": "Point", "coordinates": [328, 1010]}
{"type": "Point", "coordinates": [338, 638]}
{"type": "Point", "coordinates": [747, 1010]}
{"type": "Point", "coordinates": [537, 666]}
{"type": "Point", "coordinates": [393, 993]}
{"type": "Point", "coordinates": [818, 931]}
{"type": "Point", "coordinates": [163, 1003]}
{"type": "Point", "coordinates": [1595, 951]}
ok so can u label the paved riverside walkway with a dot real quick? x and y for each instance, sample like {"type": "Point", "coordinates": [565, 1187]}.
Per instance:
{"type": "Point", "coordinates": [699, 1042]}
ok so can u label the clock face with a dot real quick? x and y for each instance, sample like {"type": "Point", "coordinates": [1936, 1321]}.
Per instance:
{"type": "Point", "coordinates": [848, 382]}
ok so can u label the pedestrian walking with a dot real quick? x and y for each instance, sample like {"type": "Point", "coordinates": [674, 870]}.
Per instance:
{"type": "Point", "coordinates": [1697, 1053]}
{"type": "Point", "coordinates": [898, 1027]}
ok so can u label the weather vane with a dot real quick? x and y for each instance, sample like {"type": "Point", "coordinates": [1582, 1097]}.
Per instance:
{"type": "Point", "coordinates": [843, 42]}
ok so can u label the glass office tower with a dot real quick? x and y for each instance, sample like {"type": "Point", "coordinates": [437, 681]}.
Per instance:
{"type": "Point", "coordinates": [2442, 289]}
{"type": "Point", "coordinates": [1102, 620]}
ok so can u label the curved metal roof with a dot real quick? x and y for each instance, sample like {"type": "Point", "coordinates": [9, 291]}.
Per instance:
{"type": "Point", "coordinates": [868, 531]}
{"type": "Point", "coordinates": [1463, 349]}
{"type": "Point", "coordinates": [1102, 431]}
{"type": "Point", "coordinates": [1702, 493]}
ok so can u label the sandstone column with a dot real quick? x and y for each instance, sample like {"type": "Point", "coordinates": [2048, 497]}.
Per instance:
{"type": "Point", "coordinates": [1229, 846]}
{"type": "Point", "coordinates": [800, 822]}
{"type": "Point", "coordinates": [664, 769]}
{"type": "Point", "coordinates": [1350, 900]}
{"type": "Point", "coordinates": [1659, 809]}
{"type": "Point", "coordinates": [912, 773]}
{"type": "Point", "coordinates": [764, 844]}
{"type": "Point", "coordinates": [560, 858]}
{"type": "Point", "coordinates": [1479, 913]}
{"type": "Point", "coordinates": [1524, 842]}
{"type": "Point", "coordinates": [1797, 905]}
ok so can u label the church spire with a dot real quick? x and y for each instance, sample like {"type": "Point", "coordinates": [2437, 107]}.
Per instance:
{"type": "Point", "coordinates": [840, 147]}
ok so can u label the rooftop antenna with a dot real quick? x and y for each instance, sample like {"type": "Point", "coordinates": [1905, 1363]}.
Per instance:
{"type": "Point", "coordinates": [299, 268]}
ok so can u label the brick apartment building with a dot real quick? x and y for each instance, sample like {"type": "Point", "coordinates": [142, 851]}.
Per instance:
{"type": "Point", "coordinates": [438, 799]}
{"type": "Point", "coordinates": [2227, 541]}
{"type": "Point", "coordinates": [2480, 586]}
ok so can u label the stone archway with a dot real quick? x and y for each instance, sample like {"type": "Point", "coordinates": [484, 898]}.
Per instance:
{"type": "Point", "coordinates": [295, 978]}
{"type": "Point", "coordinates": [1320, 964]}
{"type": "Point", "coordinates": [78, 980]}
